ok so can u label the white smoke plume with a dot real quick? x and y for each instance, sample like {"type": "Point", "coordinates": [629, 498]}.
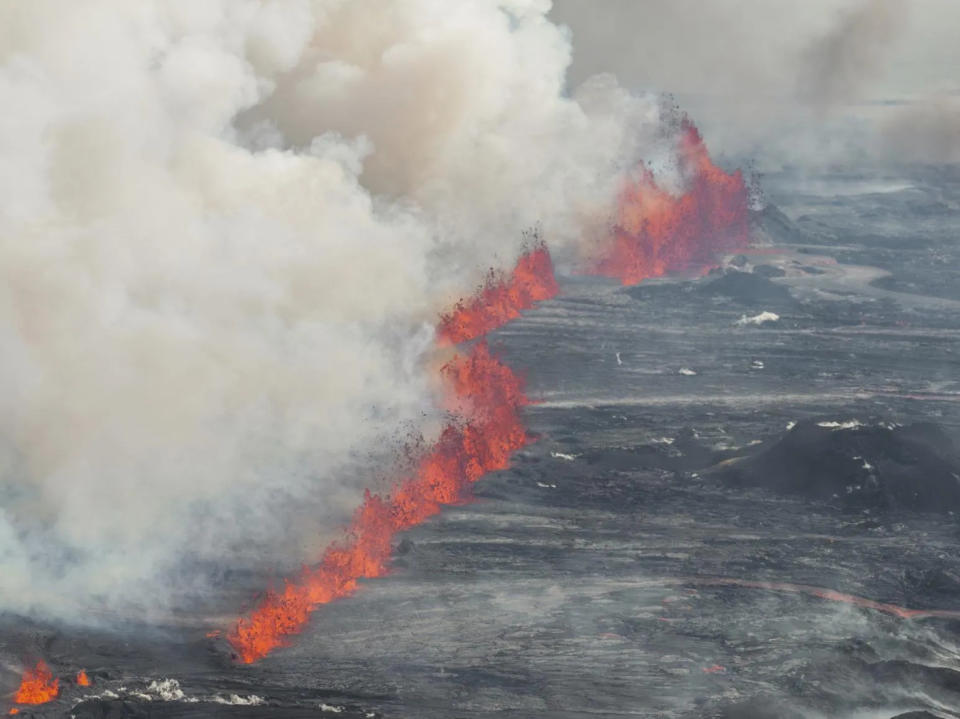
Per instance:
{"type": "Point", "coordinates": [226, 231]}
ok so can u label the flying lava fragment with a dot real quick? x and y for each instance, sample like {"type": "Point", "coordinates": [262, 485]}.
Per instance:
{"type": "Point", "coordinates": [657, 232]}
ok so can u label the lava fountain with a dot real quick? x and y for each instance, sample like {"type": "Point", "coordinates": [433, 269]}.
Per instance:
{"type": "Point", "coordinates": [657, 232]}
{"type": "Point", "coordinates": [37, 686]}
{"type": "Point", "coordinates": [501, 298]}
{"type": "Point", "coordinates": [486, 397]}
{"type": "Point", "coordinates": [489, 396]}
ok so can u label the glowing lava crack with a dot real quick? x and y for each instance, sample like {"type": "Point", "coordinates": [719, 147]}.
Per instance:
{"type": "Point", "coordinates": [488, 396]}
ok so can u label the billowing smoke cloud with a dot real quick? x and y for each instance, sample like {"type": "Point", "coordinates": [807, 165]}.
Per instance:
{"type": "Point", "coordinates": [226, 232]}
{"type": "Point", "coordinates": [837, 65]}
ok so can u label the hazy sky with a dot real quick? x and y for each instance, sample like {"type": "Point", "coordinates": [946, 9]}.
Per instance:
{"type": "Point", "coordinates": [751, 69]}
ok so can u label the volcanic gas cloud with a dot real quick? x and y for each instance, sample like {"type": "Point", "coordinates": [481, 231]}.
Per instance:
{"type": "Point", "coordinates": [485, 397]}
{"type": "Point", "coordinates": [657, 232]}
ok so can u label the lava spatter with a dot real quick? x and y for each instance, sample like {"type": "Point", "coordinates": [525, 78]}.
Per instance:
{"type": "Point", "coordinates": [657, 232]}
{"type": "Point", "coordinates": [502, 298]}
{"type": "Point", "coordinates": [37, 686]}
{"type": "Point", "coordinates": [488, 397]}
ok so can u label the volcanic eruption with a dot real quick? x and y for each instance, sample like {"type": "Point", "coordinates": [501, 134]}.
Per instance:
{"type": "Point", "coordinates": [657, 232]}
{"type": "Point", "coordinates": [37, 686]}
{"type": "Point", "coordinates": [489, 396]}
{"type": "Point", "coordinates": [257, 264]}
{"type": "Point", "coordinates": [485, 398]}
{"type": "Point", "coordinates": [501, 298]}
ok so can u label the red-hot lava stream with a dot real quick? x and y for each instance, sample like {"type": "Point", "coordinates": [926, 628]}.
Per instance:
{"type": "Point", "coordinates": [486, 395]}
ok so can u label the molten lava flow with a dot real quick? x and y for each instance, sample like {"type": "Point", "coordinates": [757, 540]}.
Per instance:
{"type": "Point", "coordinates": [488, 395]}
{"type": "Point", "coordinates": [37, 686]}
{"type": "Point", "coordinates": [82, 679]}
{"type": "Point", "coordinates": [501, 298]}
{"type": "Point", "coordinates": [657, 232]}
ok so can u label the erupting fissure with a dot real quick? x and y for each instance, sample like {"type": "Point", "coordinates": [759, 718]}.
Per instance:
{"type": "Point", "coordinates": [656, 232]}
{"type": "Point", "coordinates": [486, 397]}
{"type": "Point", "coordinates": [501, 298]}
{"type": "Point", "coordinates": [490, 396]}
{"type": "Point", "coordinates": [37, 686]}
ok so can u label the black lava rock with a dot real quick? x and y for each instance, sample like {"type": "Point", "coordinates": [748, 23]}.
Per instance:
{"type": "Point", "coordinates": [747, 288]}
{"type": "Point", "coordinates": [769, 271]}
{"type": "Point", "coordinates": [771, 222]}
{"type": "Point", "coordinates": [882, 467]}
{"type": "Point", "coordinates": [686, 454]}
{"type": "Point", "coordinates": [759, 708]}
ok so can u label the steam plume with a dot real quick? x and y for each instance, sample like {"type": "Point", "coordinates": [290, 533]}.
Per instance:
{"type": "Point", "coordinates": [226, 232]}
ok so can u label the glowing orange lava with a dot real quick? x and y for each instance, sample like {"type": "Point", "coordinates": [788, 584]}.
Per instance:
{"type": "Point", "coordinates": [489, 396]}
{"type": "Point", "coordinates": [82, 679]}
{"type": "Point", "coordinates": [37, 686]}
{"type": "Point", "coordinates": [501, 298]}
{"type": "Point", "coordinates": [657, 232]}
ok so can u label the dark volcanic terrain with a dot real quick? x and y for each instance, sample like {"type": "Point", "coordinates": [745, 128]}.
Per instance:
{"type": "Point", "coordinates": [742, 482]}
